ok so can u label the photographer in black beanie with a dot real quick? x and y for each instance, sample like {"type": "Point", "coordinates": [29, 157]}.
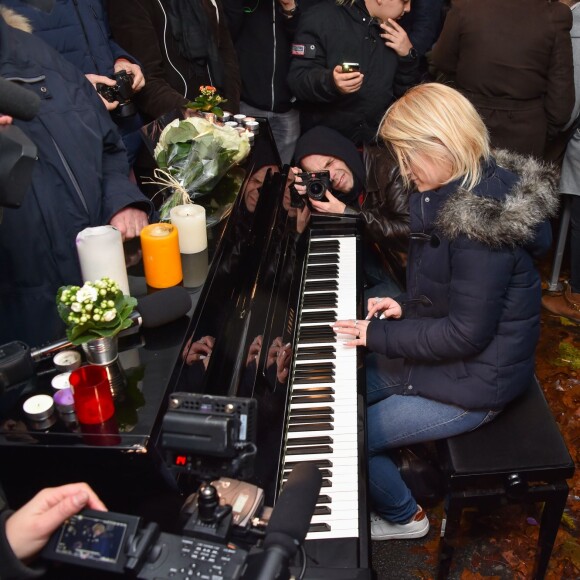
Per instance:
{"type": "Point", "coordinates": [368, 186]}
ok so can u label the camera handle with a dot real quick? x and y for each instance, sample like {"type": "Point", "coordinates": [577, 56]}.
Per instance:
{"type": "Point", "coordinates": [142, 547]}
{"type": "Point", "coordinates": [209, 519]}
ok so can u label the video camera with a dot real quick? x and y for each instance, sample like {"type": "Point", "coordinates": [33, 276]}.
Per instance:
{"type": "Point", "coordinates": [120, 543]}
{"type": "Point", "coordinates": [122, 92]}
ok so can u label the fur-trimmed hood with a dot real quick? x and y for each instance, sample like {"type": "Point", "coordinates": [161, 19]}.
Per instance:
{"type": "Point", "coordinates": [510, 221]}
{"type": "Point", "coordinates": [14, 19]}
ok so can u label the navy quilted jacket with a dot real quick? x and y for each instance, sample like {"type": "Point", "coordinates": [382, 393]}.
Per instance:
{"type": "Point", "coordinates": [471, 315]}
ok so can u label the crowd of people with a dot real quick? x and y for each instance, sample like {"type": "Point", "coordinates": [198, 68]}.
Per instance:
{"type": "Point", "coordinates": [437, 126]}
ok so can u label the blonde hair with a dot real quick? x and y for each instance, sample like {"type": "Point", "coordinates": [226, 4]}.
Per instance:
{"type": "Point", "coordinates": [437, 122]}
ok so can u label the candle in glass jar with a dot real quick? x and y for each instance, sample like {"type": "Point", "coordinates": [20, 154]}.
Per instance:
{"type": "Point", "coordinates": [189, 219]}
{"type": "Point", "coordinates": [101, 253]}
{"type": "Point", "coordinates": [161, 257]}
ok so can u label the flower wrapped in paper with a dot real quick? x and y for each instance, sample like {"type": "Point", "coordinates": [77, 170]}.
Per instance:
{"type": "Point", "coordinates": [193, 155]}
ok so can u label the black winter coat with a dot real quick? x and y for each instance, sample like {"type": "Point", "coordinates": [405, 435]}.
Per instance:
{"type": "Point", "coordinates": [79, 180]}
{"type": "Point", "coordinates": [329, 35]}
{"type": "Point", "coordinates": [471, 316]}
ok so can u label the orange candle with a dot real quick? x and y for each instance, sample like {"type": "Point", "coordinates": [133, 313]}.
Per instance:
{"type": "Point", "coordinates": [161, 257]}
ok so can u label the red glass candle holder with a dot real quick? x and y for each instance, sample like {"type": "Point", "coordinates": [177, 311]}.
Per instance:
{"type": "Point", "coordinates": [92, 394]}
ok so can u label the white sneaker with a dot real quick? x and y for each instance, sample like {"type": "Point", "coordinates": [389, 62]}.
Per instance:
{"type": "Point", "coordinates": [383, 530]}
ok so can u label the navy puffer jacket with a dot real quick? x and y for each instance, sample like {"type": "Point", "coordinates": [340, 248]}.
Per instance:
{"type": "Point", "coordinates": [471, 315]}
{"type": "Point", "coordinates": [76, 29]}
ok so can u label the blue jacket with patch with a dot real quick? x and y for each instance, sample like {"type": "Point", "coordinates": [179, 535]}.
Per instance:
{"type": "Point", "coordinates": [328, 35]}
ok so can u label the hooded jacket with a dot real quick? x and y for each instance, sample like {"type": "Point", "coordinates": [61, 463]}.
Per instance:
{"type": "Point", "coordinates": [471, 315]}
{"type": "Point", "coordinates": [79, 180]}
{"type": "Point", "coordinates": [143, 28]}
{"type": "Point", "coordinates": [379, 198]}
{"type": "Point", "coordinates": [328, 35]}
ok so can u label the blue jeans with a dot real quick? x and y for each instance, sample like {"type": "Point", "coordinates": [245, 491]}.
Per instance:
{"type": "Point", "coordinates": [396, 420]}
{"type": "Point", "coordinates": [285, 128]}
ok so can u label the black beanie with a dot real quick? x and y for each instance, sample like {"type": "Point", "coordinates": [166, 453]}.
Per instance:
{"type": "Point", "coordinates": [322, 140]}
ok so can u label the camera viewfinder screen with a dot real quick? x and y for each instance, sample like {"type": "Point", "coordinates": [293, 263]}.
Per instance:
{"type": "Point", "coordinates": [89, 538]}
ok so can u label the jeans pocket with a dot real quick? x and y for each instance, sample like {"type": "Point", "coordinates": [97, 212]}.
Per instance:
{"type": "Point", "coordinates": [490, 416]}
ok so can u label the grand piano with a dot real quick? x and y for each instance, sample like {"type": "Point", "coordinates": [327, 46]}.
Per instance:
{"type": "Point", "coordinates": [278, 277]}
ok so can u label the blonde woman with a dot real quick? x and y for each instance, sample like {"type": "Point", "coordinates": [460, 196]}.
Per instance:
{"type": "Point", "coordinates": [452, 352]}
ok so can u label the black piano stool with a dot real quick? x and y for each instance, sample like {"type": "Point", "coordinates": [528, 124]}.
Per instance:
{"type": "Point", "coordinates": [520, 457]}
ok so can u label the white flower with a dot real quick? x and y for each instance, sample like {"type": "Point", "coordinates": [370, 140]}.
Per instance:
{"type": "Point", "coordinates": [109, 315]}
{"type": "Point", "coordinates": [86, 293]}
{"type": "Point", "coordinates": [75, 307]}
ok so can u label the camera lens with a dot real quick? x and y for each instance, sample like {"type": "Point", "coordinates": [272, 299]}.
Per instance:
{"type": "Point", "coordinates": [316, 188]}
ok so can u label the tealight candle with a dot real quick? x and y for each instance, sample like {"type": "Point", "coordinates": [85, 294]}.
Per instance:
{"type": "Point", "coordinates": [38, 408]}
{"type": "Point", "coordinates": [64, 401]}
{"type": "Point", "coordinates": [253, 126]}
{"type": "Point", "coordinates": [230, 124]}
{"type": "Point", "coordinates": [61, 381]}
{"type": "Point", "coordinates": [249, 120]}
{"type": "Point", "coordinates": [226, 116]}
{"type": "Point", "coordinates": [67, 360]}
{"type": "Point", "coordinates": [101, 253]}
{"type": "Point", "coordinates": [189, 219]}
{"type": "Point", "coordinates": [161, 257]}
{"type": "Point", "coordinates": [239, 117]}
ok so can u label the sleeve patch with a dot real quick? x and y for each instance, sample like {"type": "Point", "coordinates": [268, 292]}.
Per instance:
{"type": "Point", "coordinates": [304, 50]}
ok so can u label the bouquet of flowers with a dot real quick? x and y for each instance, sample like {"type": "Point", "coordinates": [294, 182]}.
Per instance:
{"type": "Point", "coordinates": [96, 310]}
{"type": "Point", "coordinates": [208, 101]}
{"type": "Point", "coordinates": [193, 155]}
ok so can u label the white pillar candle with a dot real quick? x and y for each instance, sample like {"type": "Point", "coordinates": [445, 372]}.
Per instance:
{"type": "Point", "coordinates": [189, 219]}
{"type": "Point", "coordinates": [101, 254]}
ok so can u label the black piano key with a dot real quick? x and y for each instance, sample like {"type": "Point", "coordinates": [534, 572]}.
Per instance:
{"type": "Point", "coordinates": [328, 366]}
{"type": "Point", "coordinates": [315, 352]}
{"type": "Point", "coordinates": [310, 411]}
{"type": "Point", "coordinates": [318, 528]}
{"type": "Point", "coordinates": [322, 510]}
{"type": "Point", "coordinates": [323, 259]}
{"type": "Point", "coordinates": [322, 333]}
{"type": "Point", "coordinates": [313, 391]}
{"type": "Point", "coordinates": [316, 462]}
{"type": "Point", "coordinates": [310, 450]}
{"type": "Point", "coordinates": [326, 482]}
{"type": "Point", "coordinates": [312, 399]}
{"type": "Point", "coordinates": [314, 380]}
{"type": "Point", "coordinates": [319, 418]}
{"type": "Point", "coordinates": [323, 246]}
{"type": "Point", "coordinates": [320, 300]}
{"type": "Point", "coordinates": [323, 499]}
{"type": "Point", "coordinates": [321, 316]}
{"type": "Point", "coordinates": [325, 271]}
{"type": "Point", "coordinates": [299, 428]}
{"type": "Point", "coordinates": [323, 473]}
{"type": "Point", "coordinates": [320, 285]}
{"type": "Point", "coordinates": [325, 439]}
{"type": "Point", "coordinates": [310, 368]}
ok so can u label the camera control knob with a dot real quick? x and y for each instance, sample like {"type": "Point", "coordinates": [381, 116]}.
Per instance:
{"type": "Point", "coordinates": [207, 503]}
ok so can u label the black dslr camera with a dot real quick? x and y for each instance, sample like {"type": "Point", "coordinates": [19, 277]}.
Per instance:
{"type": "Point", "coordinates": [122, 92]}
{"type": "Point", "coordinates": [316, 182]}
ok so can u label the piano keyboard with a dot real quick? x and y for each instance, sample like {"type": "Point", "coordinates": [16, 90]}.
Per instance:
{"type": "Point", "coordinates": [323, 407]}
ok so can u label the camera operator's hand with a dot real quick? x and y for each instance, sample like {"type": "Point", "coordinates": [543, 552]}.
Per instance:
{"type": "Point", "coordinates": [133, 69]}
{"type": "Point", "coordinates": [94, 79]}
{"type": "Point", "coordinates": [29, 528]}
{"type": "Point", "coordinates": [5, 120]}
{"type": "Point", "coordinates": [333, 205]}
{"type": "Point", "coordinates": [129, 221]}
{"type": "Point", "coordinates": [297, 180]}
{"type": "Point", "coordinates": [346, 83]}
